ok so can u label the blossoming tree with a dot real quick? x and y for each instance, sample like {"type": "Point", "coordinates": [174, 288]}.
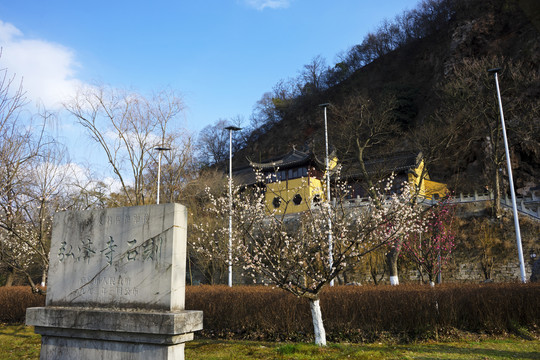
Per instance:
{"type": "Point", "coordinates": [430, 250]}
{"type": "Point", "coordinates": [292, 251]}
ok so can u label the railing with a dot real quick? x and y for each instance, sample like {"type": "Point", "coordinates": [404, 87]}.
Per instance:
{"type": "Point", "coordinates": [527, 205]}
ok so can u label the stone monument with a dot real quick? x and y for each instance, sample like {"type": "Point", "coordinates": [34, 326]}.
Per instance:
{"type": "Point", "coordinates": [116, 286]}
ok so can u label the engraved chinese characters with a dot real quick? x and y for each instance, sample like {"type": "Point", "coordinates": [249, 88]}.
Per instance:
{"type": "Point", "coordinates": [149, 250]}
{"type": "Point", "coordinates": [93, 252]}
{"type": "Point", "coordinates": [116, 286]}
{"type": "Point", "coordinates": [122, 286]}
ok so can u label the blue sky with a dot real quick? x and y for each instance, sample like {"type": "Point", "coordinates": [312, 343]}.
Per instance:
{"type": "Point", "coordinates": [220, 55]}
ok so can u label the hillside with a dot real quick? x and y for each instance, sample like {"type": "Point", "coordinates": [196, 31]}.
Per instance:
{"type": "Point", "coordinates": [416, 74]}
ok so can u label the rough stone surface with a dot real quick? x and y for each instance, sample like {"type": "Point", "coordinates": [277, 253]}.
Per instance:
{"type": "Point", "coordinates": [153, 324]}
{"type": "Point", "coordinates": [116, 286]}
{"type": "Point", "coordinates": [123, 258]}
{"type": "Point", "coordinates": [79, 349]}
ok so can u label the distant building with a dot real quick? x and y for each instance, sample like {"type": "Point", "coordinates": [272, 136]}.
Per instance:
{"type": "Point", "coordinates": [295, 181]}
{"type": "Point", "coordinates": [407, 167]}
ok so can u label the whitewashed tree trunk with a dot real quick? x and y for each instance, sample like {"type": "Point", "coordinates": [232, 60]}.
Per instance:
{"type": "Point", "coordinates": [44, 276]}
{"type": "Point", "coordinates": [320, 333]}
{"type": "Point", "coordinates": [392, 259]}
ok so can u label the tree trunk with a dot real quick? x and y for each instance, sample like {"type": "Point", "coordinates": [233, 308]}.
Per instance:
{"type": "Point", "coordinates": [486, 264]}
{"type": "Point", "coordinates": [44, 276]}
{"type": "Point", "coordinates": [497, 164]}
{"type": "Point", "coordinates": [392, 258]}
{"type": "Point", "coordinates": [374, 277]}
{"type": "Point", "coordinates": [318, 327]}
{"type": "Point", "coordinates": [10, 276]}
{"type": "Point", "coordinates": [497, 195]}
{"type": "Point", "coordinates": [345, 278]}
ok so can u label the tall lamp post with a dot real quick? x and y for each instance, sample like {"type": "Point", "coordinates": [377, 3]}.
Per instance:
{"type": "Point", "coordinates": [510, 178]}
{"type": "Point", "coordinates": [330, 241]}
{"type": "Point", "coordinates": [231, 129]}
{"type": "Point", "coordinates": [161, 149]}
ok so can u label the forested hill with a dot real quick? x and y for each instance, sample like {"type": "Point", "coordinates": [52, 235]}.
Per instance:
{"type": "Point", "coordinates": [419, 82]}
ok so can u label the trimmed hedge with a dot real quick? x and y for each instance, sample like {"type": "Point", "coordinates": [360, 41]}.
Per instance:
{"type": "Point", "coordinates": [14, 300]}
{"type": "Point", "coordinates": [367, 313]}
{"type": "Point", "coordinates": [350, 313]}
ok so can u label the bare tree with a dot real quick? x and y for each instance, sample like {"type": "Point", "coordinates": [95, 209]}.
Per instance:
{"type": "Point", "coordinates": [179, 167]}
{"type": "Point", "coordinates": [127, 126]}
{"type": "Point", "coordinates": [207, 242]}
{"type": "Point", "coordinates": [311, 79]}
{"type": "Point", "coordinates": [213, 143]}
{"type": "Point", "coordinates": [87, 190]}
{"type": "Point", "coordinates": [265, 114]}
{"type": "Point", "coordinates": [15, 151]}
{"type": "Point", "coordinates": [369, 128]}
{"type": "Point", "coordinates": [32, 174]}
{"type": "Point", "coordinates": [471, 106]}
{"type": "Point", "coordinates": [213, 140]}
{"type": "Point", "coordinates": [363, 128]}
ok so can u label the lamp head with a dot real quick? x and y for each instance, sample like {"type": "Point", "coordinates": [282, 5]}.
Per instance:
{"type": "Point", "coordinates": [494, 70]}
{"type": "Point", "coordinates": [233, 128]}
{"type": "Point", "coordinates": [162, 148]}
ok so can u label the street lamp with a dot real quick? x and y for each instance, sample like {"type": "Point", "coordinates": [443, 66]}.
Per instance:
{"type": "Point", "coordinates": [161, 149]}
{"type": "Point", "coordinates": [231, 129]}
{"type": "Point", "coordinates": [330, 242]}
{"type": "Point", "coordinates": [510, 179]}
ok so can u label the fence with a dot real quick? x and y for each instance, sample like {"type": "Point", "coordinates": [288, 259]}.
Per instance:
{"type": "Point", "coordinates": [526, 205]}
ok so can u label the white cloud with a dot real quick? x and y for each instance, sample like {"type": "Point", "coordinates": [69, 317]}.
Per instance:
{"type": "Point", "coordinates": [8, 31]}
{"type": "Point", "coordinates": [271, 4]}
{"type": "Point", "coordinates": [72, 177]}
{"type": "Point", "coordinates": [47, 69]}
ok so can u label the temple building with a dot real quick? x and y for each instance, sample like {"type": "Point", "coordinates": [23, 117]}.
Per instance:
{"type": "Point", "coordinates": [406, 166]}
{"type": "Point", "coordinates": [296, 181]}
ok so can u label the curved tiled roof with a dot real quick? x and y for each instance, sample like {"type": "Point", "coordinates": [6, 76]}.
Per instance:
{"type": "Point", "coordinates": [294, 158]}
{"type": "Point", "coordinates": [397, 162]}
{"type": "Point", "coordinates": [291, 159]}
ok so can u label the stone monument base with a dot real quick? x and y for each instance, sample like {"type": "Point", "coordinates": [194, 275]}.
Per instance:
{"type": "Point", "coordinates": [82, 333]}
